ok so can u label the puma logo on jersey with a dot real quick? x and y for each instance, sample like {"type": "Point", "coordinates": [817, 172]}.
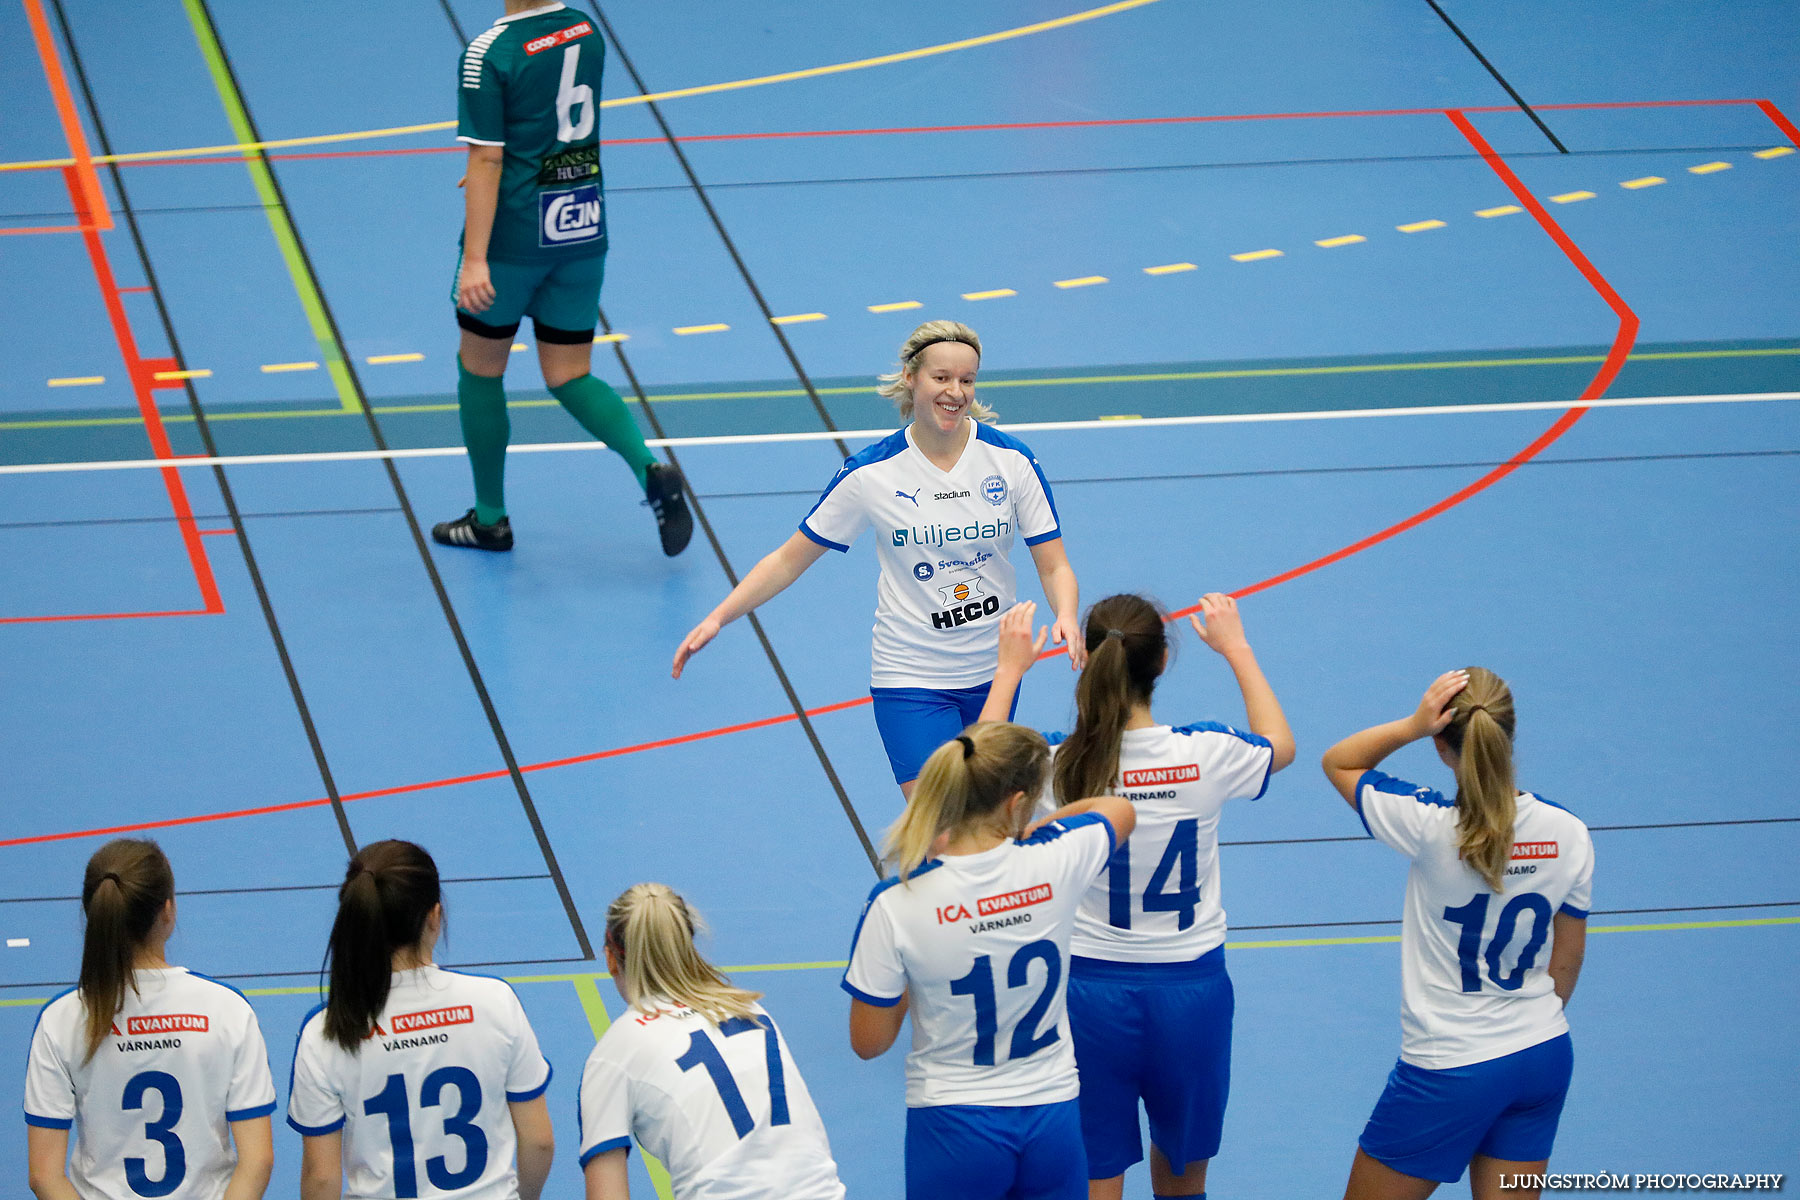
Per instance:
{"type": "Point", "coordinates": [561, 37]}
{"type": "Point", "coordinates": [1533, 850]}
{"type": "Point", "coordinates": [1157, 776]}
{"type": "Point", "coordinates": [459, 1014]}
{"type": "Point", "coordinates": [914, 497]}
{"type": "Point", "coordinates": [166, 1023]}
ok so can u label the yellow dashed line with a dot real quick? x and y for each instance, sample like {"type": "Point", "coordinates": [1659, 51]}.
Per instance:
{"type": "Point", "coordinates": [1083, 281]}
{"type": "Point", "coordinates": [1709, 168]}
{"type": "Point", "coordinates": [1253, 255]}
{"type": "Point", "coordinates": [279, 368]}
{"type": "Point", "coordinates": [1170, 268]}
{"type": "Point", "coordinates": [1505, 210]}
{"type": "Point", "coordinates": [1571, 197]}
{"type": "Point", "coordinates": [896, 306]}
{"type": "Point", "coordinates": [684, 330]}
{"type": "Point", "coordinates": [995, 294]}
{"type": "Point", "coordinates": [201, 373]}
{"type": "Point", "coordinates": [380, 360]}
{"type": "Point", "coordinates": [612, 337]}
{"type": "Point", "coordinates": [1349, 239]}
{"type": "Point", "coordinates": [519, 347]}
{"type": "Point", "coordinates": [1774, 152]}
{"type": "Point", "coordinates": [1420, 226]}
{"type": "Point", "coordinates": [797, 319]}
{"type": "Point", "coordinates": [1646, 181]}
{"type": "Point", "coordinates": [76, 380]}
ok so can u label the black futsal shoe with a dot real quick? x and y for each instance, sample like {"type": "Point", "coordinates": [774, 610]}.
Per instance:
{"type": "Point", "coordinates": [471, 534]}
{"type": "Point", "coordinates": [662, 492]}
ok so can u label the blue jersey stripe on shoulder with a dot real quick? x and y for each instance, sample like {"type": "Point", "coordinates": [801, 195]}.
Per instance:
{"type": "Point", "coordinates": [1255, 739]}
{"type": "Point", "coordinates": [294, 1062]}
{"type": "Point", "coordinates": [221, 983]}
{"type": "Point", "coordinates": [880, 451]}
{"type": "Point", "coordinates": [994, 437]}
{"type": "Point", "coordinates": [1399, 787]}
{"type": "Point", "coordinates": [1553, 804]}
{"type": "Point", "coordinates": [1062, 825]}
{"type": "Point", "coordinates": [618, 1143]}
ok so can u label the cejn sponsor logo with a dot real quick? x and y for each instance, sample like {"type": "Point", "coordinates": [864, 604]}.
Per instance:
{"type": "Point", "coordinates": [569, 217]}
{"type": "Point", "coordinates": [939, 535]}
{"type": "Point", "coordinates": [1528, 850]}
{"type": "Point", "coordinates": [435, 1018]}
{"type": "Point", "coordinates": [1162, 776]}
{"type": "Point", "coordinates": [165, 1023]}
{"type": "Point", "coordinates": [969, 601]}
{"type": "Point", "coordinates": [561, 37]}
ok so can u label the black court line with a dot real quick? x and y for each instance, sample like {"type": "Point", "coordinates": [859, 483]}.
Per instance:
{"type": "Point", "coordinates": [781, 675]}
{"type": "Point", "coordinates": [1498, 78]}
{"type": "Point", "coordinates": [206, 438]}
{"type": "Point", "coordinates": [687, 169]}
{"type": "Point", "coordinates": [412, 521]}
{"type": "Point", "coordinates": [257, 891]}
{"type": "Point", "coordinates": [198, 517]}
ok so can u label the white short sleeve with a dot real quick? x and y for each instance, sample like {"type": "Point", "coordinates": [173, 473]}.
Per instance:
{"type": "Point", "coordinates": [314, 1107]}
{"type": "Point", "coordinates": [1580, 900]}
{"type": "Point", "coordinates": [1396, 812]}
{"type": "Point", "coordinates": [252, 1092]}
{"type": "Point", "coordinates": [527, 1071]}
{"type": "Point", "coordinates": [1238, 763]}
{"type": "Point", "coordinates": [49, 1088]}
{"type": "Point", "coordinates": [840, 513]}
{"type": "Point", "coordinates": [1033, 509]}
{"type": "Point", "coordinates": [605, 1109]}
{"type": "Point", "coordinates": [1086, 841]}
{"type": "Point", "coordinates": [876, 975]}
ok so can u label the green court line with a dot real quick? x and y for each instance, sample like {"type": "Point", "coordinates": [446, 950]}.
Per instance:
{"type": "Point", "coordinates": [868, 390]}
{"type": "Point", "coordinates": [588, 979]}
{"type": "Point", "coordinates": [595, 1008]}
{"type": "Point", "coordinates": [305, 287]}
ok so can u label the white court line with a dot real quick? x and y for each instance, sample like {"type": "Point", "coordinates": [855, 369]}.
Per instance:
{"type": "Point", "coordinates": [754, 439]}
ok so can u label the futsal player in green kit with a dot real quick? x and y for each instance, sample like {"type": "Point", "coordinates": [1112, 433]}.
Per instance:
{"type": "Point", "coordinates": [534, 244]}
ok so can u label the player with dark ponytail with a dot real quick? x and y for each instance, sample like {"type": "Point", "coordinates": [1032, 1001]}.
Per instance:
{"type": "Point", "coordinates": [1150, 1002]}
{"type": "Point", "coordinates": [1490, 948]}
{"type": "Point", "coordinates": [179, 1104]}
{"type": "Point", "coordinates": [437, 1074]}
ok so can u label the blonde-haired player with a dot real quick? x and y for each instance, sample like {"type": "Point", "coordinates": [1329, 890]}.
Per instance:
{"type": "Point", "coordinates": [696, 1070]}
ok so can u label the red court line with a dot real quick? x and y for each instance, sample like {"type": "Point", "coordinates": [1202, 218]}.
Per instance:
{"type": "Point", "coordinates": [1781, 122]}
{"type": "Point", "coordinates": [1603, 378]}
{"type": "Point", "coordinates": [66, 115]}
{"type": "Point", "coordinates": [40, 229]}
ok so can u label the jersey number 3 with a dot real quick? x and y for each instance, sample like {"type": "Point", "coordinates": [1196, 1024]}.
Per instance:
{"type": "Point", "coordinates": [702, 1053]}
{"type": "Point", "coordinates": [161, 1131]}
{"type": "Point", "coordinates": [573, 98]}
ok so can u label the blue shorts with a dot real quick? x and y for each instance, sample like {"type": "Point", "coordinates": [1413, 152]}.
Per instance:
{"type": "Point", "coordinates": [916, 721]}
{"type": "Point", "coordinates": [1429, 1124]}
{"type": "Point", "coordinates": [561, 296]}
{"type": "Point", "coordinates": [1159, 1033]}
{"type": "Point", "coordinates": [979, 1152]}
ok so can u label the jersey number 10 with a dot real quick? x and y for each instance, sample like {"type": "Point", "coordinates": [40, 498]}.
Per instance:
{"type": "Point", "coordinates": [1473, 916]}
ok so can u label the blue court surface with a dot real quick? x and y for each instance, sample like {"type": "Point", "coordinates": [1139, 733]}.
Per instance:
{"type": "Point", "coordinates": [1440, 338]}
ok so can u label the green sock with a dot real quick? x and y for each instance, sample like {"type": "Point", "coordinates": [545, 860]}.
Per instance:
{"type": "Point", "coordinates": [481, 402]}
{"type": "Point", "coordinates": [604, 415]}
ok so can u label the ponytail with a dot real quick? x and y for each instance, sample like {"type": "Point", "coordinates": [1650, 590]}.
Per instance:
{"type": "Point", "coordinates": [1127, 649]}
{"type": "Point", "coordinates": [1481, 734]}
{"type": "Point", "coordinates": [127, 883]}
{"type": "Point", "coordinates": [388, 892]}
{"type": "Point", "coordinates": [965, 780]}
{"type": "Point", "coordinates": [653, 930]}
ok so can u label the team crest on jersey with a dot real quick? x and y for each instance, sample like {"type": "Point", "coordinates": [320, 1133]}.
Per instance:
{"type": "Point", "coordinates": [561, 37]}
{"type": "Point", "coordinates": [435, 1018]}
{"type": "Point", "coordinates": [570, 217]}
{"type": "Point", "coordinates": [165, 1023]}
{"type": "Point", "coordinates": [1162, 776]}
{"type": "Point", "coordinates": [993, 490]}
{"type": "Point", "coordinates": [1529, 850]}
{"type": "Point", "coordinates": [923, 571]}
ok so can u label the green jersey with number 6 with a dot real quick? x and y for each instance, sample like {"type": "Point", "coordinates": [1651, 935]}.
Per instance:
{"type": "Point", "coordinates": [532, 85]}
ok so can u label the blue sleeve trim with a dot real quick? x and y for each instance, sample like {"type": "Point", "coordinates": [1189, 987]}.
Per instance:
{"type": "Point", "coordinates": [877, 1001]}
{"type": "Point", "coordinates": [533, 1093]}
{"type": "Point", "coordinates": [1041, 538]}
{"type": "Point", "coordinates": [1356, 801]}
{"type": "Point", "coordinates": [1399, 787]}
{"type": "Point", "coordinates": [1268, 774]}
{"type": "Point", "coordinates": [1255, 739]}
{"type": "Point", "coordinates": [250, 1114]}
{"type": "Point", "coordinates": [49, 1122]}
{"type": "Point", "coordinates": [1580, 914]}
{"type": "Point", "coordinates": [1062, 825]}
{"type": "Point", "coordinates": [294, 1062]}
{"type": "Point", "coordinates": [315, 1131]}
{"type": "Point", "coordinates": [592, 1152]}
{"type": "Point", "coordinates": [221, 983]}
{"type": "Point", "coordinates": [1056, 739]}
{"type": "Point", "coordinates": [825, 542]}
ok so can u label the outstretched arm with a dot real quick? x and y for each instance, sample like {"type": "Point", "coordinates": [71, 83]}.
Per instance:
{"type": "Point", "coordinates": [1060, 588]}
{"type": "Point", "coordinates": [1345, 762]}
{"type": "Point", "coordinates": [1223, 630]}
{"type": "Point", "coordinates": [768, 578]}
{"type": "Point", "coordinates": [1018, 650]}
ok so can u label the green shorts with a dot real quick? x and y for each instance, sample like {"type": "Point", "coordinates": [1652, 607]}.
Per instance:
{"type": "Point", "coordinates": [561, 296]}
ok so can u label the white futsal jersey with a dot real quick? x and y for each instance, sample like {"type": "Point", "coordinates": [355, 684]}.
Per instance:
{"type": "Point", "coordinates": [423, 1102]}
{"type": "Point", "coordinates": [1475, 980]}
{"type": "Point", "coordinates": [943, 540]}
{"type": "Point", "coordinates": [152, 1108]}
{"type": "Point", "coordinates": [1159, 898]}
{"type": "Point", "coordinates": [980, 942]}
{"type": "Point", "coordinates": [723, 1106]}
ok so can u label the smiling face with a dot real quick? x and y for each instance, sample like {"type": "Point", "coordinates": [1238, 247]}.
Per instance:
{"type": "Point", "coordinates": [942, 383]}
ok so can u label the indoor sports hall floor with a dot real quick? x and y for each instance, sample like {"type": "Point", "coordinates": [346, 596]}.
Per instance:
{"type": "Point", "coordinates": [1160, 209]}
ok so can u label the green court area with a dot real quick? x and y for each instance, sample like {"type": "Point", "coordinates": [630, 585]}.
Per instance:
{"type": "Point", "coordinates": [1122, 392]}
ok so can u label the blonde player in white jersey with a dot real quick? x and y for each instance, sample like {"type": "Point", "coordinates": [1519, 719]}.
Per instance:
{"type": "Point", "coordinates": [1491, 945]}
{"type": "Point", "coordinates": [946, 496]}
{"type": "Point", "coordinates": [162, 1073]}
{"type": "Point", "coordinates": [410, 1080]}
{"type": "Point", "coordinates": [697, 1071]}
{"type": "Point", "coordinates": [1150, 1002]}
{"type": "Point", "coordinates": [970, 936]}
